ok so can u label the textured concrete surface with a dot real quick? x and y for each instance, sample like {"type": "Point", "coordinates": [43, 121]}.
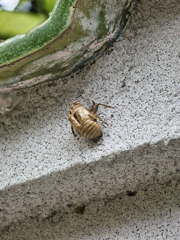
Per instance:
{"type": "Point", "coordinates": [151, 214]}
{"type": "Point", "coordinates": [46, 172]}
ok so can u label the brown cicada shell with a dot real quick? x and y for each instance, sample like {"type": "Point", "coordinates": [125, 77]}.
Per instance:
{"type": "Point", "coordinates": [84, 120]}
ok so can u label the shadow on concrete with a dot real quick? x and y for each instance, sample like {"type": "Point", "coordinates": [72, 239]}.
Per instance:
{"type": "Point", "coordinates": [130, 171]}
{"type": "Point", "coordinates": [153, 210]}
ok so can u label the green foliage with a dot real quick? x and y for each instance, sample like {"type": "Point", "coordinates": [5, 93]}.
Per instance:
{"type": "Point", "coordinates": [13, 23]}
{"type": "Point", "coordinates": [45, 6]}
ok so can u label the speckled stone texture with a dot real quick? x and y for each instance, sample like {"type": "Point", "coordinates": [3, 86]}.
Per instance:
{"type": "Point", "coordinates": [153, 213]}
{"type": "Point", "coordinates": [127, 184]}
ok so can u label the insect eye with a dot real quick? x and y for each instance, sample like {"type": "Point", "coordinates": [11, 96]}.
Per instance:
{"type": "Point", "coordinates": [78, 119]}
{"type": "Point", "coordinates": [75, 117]}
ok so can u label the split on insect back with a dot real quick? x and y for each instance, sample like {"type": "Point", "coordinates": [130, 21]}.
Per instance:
{"type": "Point", "coordinates": [84, 120]}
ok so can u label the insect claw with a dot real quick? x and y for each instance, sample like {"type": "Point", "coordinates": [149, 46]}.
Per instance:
{"type": "Point", "coordinates": [73, 131]}
{"type": "Point", "coordinates": [102, 120]}
{"type": "Point", "coordinates": [100, 104]}
{"type": "Point", "coordinates": [91, 105]}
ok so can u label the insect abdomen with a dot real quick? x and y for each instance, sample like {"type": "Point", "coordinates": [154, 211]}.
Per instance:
{"type": "Point", "coordinates": [91, 129]}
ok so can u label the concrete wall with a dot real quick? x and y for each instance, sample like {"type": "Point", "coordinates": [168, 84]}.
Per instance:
{"type": "Point", "coordinates": [123, 186]}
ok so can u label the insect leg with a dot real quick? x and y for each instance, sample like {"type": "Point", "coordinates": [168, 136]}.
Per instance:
{"type": "Point", "coordinates": [91, 105]}
{"type": "Point", "coordinates": [97, 105]}
{"type": "Point", "coordinates": [73, 131]}
{"type": "Point", "coordinates": [102, 120]}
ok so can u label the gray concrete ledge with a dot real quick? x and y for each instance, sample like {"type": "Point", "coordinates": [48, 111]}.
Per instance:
{"type": "Point", "coordinates": [153, 213]}
{"type": "Point", "coordinates": [45, 169]}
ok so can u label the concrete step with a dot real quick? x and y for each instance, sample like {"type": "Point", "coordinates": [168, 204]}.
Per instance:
{"type": "Point", "coordinates": [45, 169]}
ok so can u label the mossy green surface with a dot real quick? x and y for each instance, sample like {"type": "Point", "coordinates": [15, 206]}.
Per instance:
{"type": "Point", "coordinates": [22, 45]}
{"type": "Point", "coordinates": [76, 32]}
